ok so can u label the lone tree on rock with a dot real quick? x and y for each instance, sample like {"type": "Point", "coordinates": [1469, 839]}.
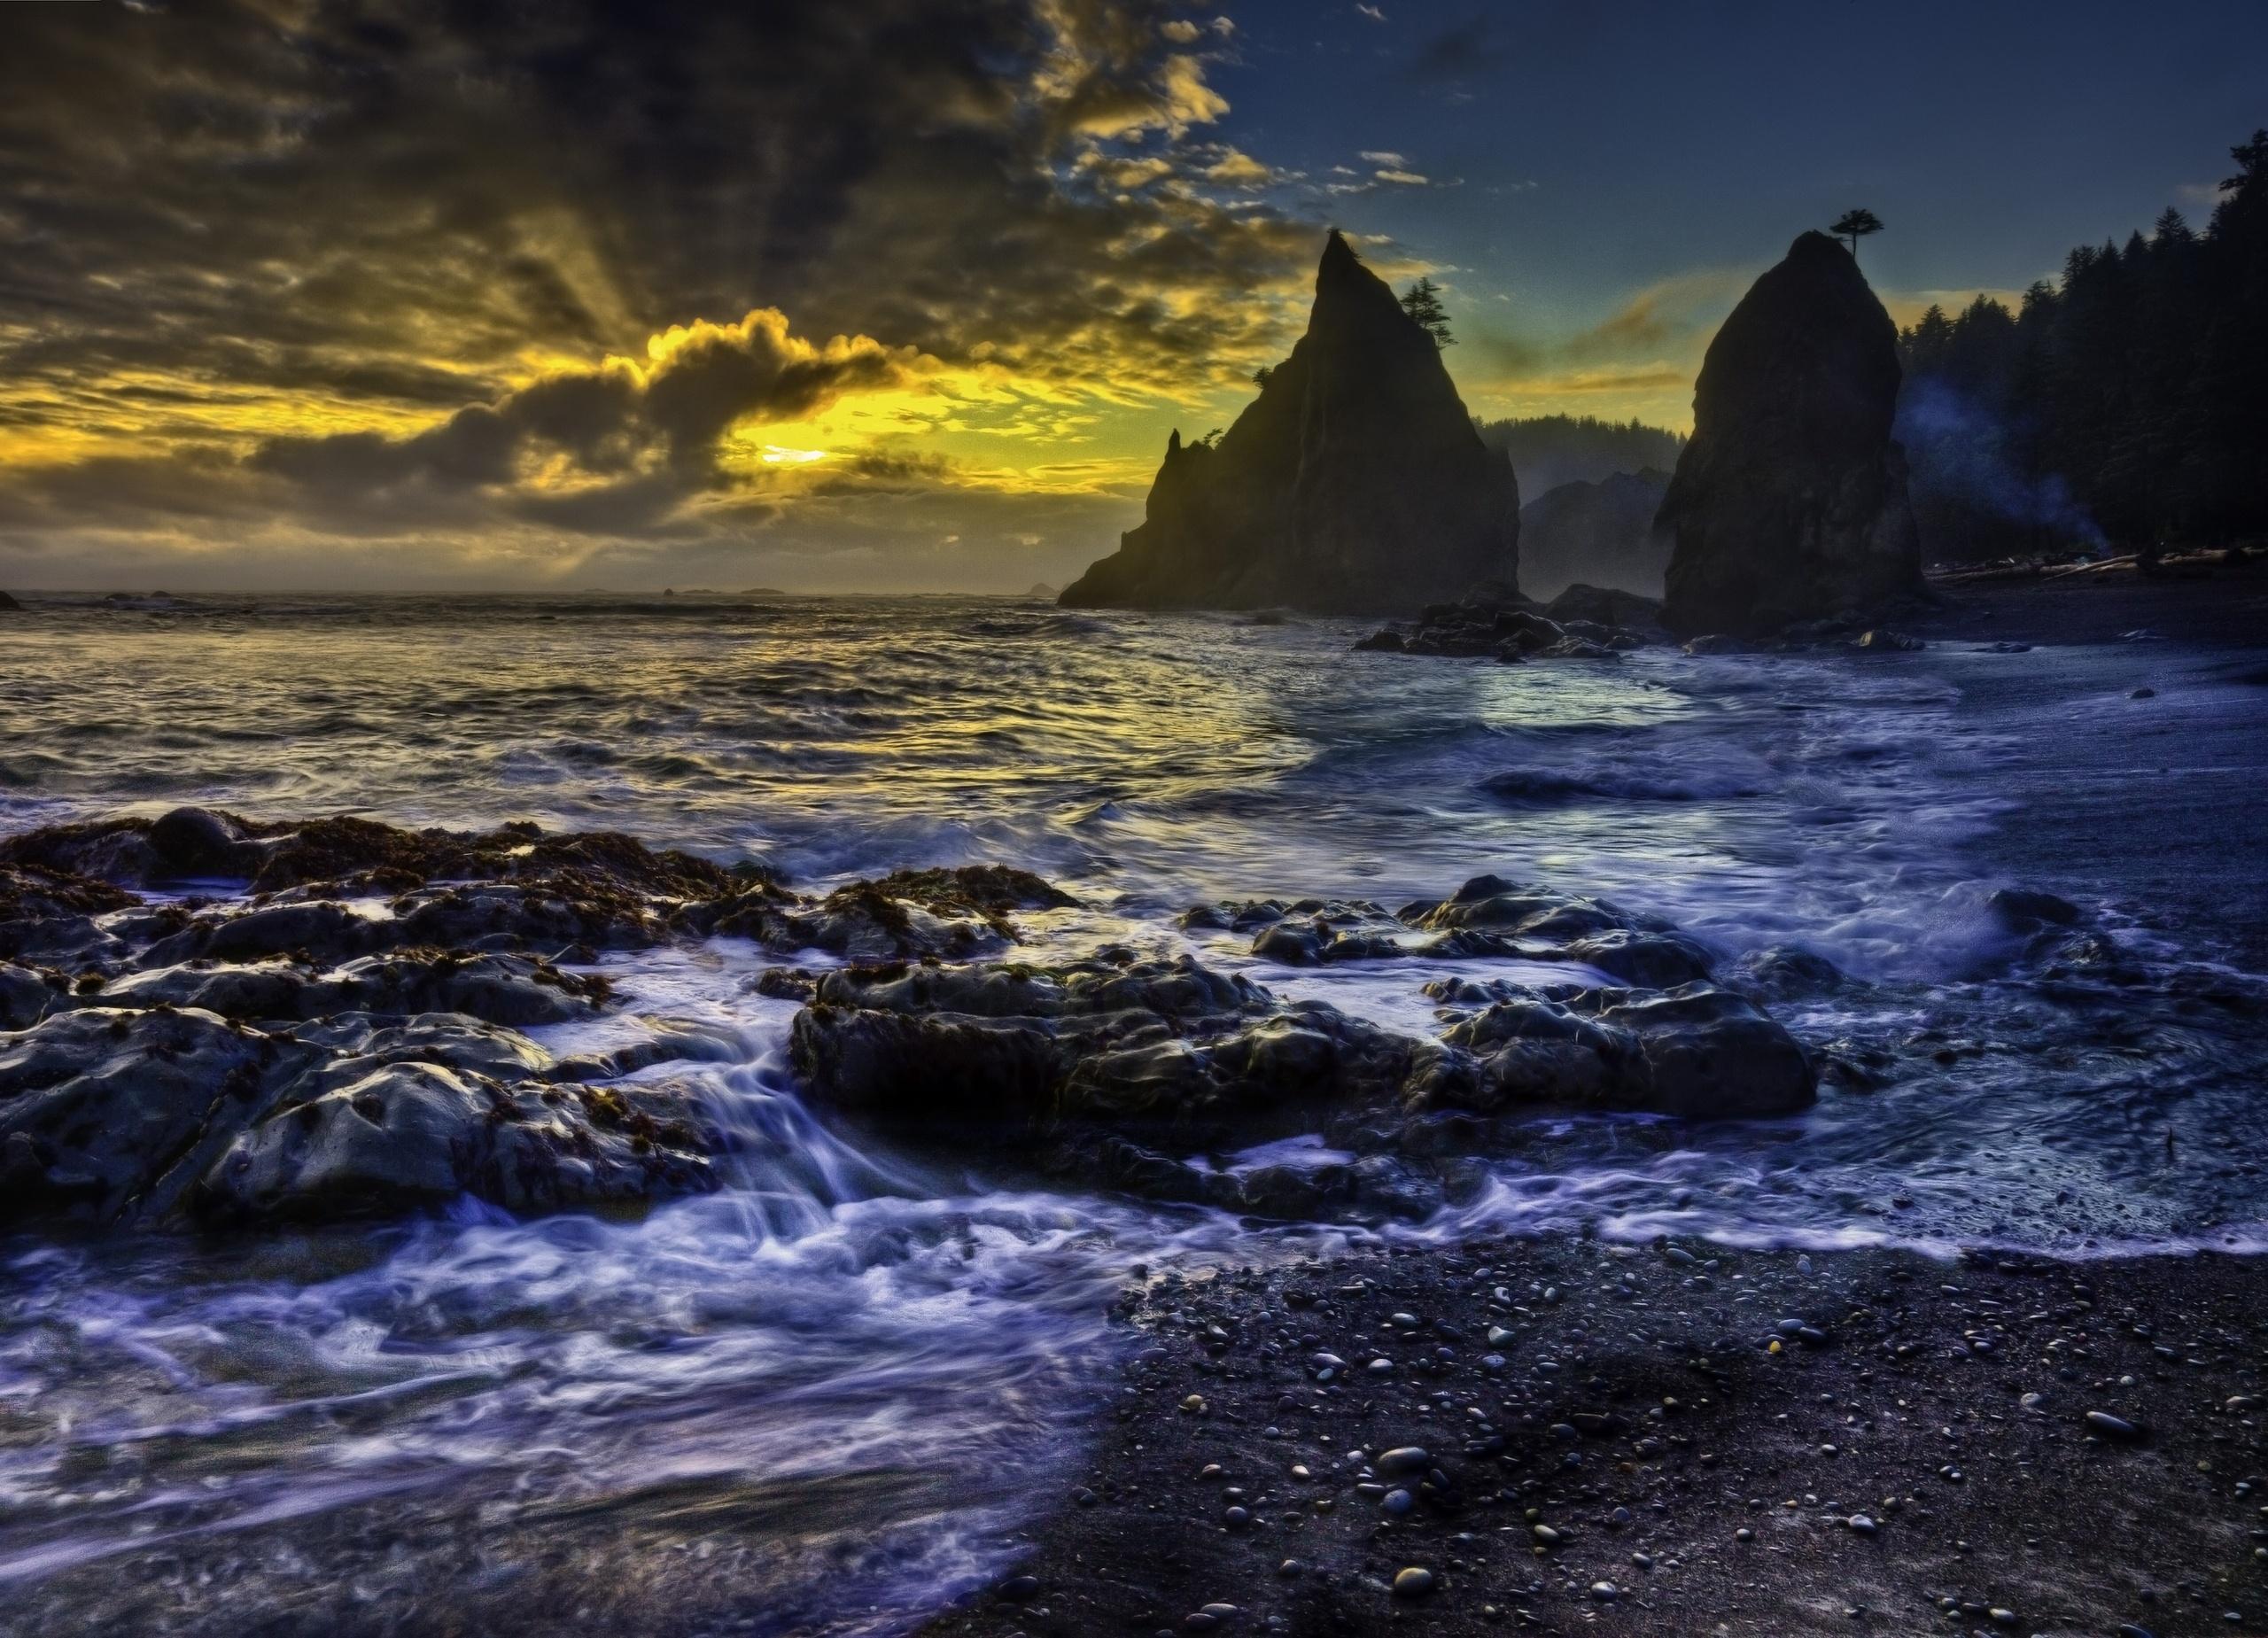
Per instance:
{"type": "Point", "coordinates": [1423, 302]}
{"type": "Point", "coordinates": [1855, 226]}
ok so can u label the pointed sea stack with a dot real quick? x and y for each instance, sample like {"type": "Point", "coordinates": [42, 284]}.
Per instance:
{"type": "Point", "coordinates": [1354, 484]}
{"type": "Point", "coordinates": [1789, 503]}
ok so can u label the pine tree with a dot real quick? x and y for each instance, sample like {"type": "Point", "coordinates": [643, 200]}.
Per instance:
{"type": "Point", "coordinates": [1855, 225]}
{"type": "Point", "coordinates": [1423, 303]}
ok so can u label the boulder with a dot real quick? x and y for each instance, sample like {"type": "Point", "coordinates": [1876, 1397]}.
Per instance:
{"type": "Point", "coordinates": [1695, 1052]}
{"type": "Point", "coordinates": [1354, 484]}
{"type": "Point", "coordinates": [416, 1135]}
{"type": "Point", "coordinates": [1789, 503]}
{"type": "Point", "coordinates": [1007, 1059]}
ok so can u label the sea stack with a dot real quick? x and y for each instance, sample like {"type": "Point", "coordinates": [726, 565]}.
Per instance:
{"type": "Point", "coordinates": [1598, 534]}
{"type": "Point", "coordinates": [1789, 503]}
{"type": "Point", "coordinates": [1354, 483]}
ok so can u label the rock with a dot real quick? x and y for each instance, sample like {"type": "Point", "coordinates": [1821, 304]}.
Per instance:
{"type": "Point", "coordinates": [1607, 605]}
{"type": "Point", "coordinates": [2115, 1428]}
{"type": "Point", "coordinates": [1882, 641]}
{"type": "Point", "coordinates": [1403, 1459]}
{"type": "Point", "coordinates": [1167, 1053]}
{"type": "Point", "coordinates": [2022, 911]}
{"type": "Point", "coordinates": [1695, 1052]}
{"type": "Point", "coordinates": [1414, 1582]}
{"type": "Point", "coordinates": [9, 605]}
{"type": "Point", "coordinates": [1602, 533]}
{"type": "Point", "coordinates": [1353, 483]}
{"type": "Point", "coordinates": [25, 995]}
{"type": "Point", "coordinates": [1789, 503]}
{"type": "Point", "coordinates": [109, 1113]}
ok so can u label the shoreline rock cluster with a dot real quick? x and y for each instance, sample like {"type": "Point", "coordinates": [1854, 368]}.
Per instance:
{"type": "Point", "coordinates": [341, 1035]}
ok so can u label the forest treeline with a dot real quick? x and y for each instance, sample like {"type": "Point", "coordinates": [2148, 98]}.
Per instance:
{"type": "Point", "coordinates": [2126, 405]}
{"type": "Point", "coordinates": [1547, 451]}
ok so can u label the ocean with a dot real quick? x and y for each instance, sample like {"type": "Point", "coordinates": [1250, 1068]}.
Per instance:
{"type": "Point", "coordinates": [826, 1397]}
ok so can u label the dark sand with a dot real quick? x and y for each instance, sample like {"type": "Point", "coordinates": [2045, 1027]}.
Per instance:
{"type": "Point", "coordinates": [1637, 1411]}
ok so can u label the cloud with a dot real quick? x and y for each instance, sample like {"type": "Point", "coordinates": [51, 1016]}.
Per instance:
{"type": "Point", "coordinates": [1236, 168]}
{"type": "Point", "coordinates": [699, 381]}
{"type": "Point", "coordinates": [1405, 179]}
{"type": "Point", "coordinates": [1372, 12]}
{"type": "Point", "coordinates": [462, 278]}
{"type": "Point", "coordinates": [1373, 156]}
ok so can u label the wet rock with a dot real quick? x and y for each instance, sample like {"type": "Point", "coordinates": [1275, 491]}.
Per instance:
{"type": "Point", "coordinates": [1695, 1050]}
{"type": "Point", "coordinates": [416, 1136]}
{"type": "Point", "coordinates": [108, 1113]}
{"type": "Point", "coordinates": [1790, 501]}
{"type": "Point", "coordinates": [1165, 1051]}
{"type": "Point", "coordinates": [2022, 911]}
{"type": "Point", "coordinates": [25, 995]}
{"type": "Point", "coordinates": [1784, 972]}
{"type": "Point", "coordinates": [496, 989]}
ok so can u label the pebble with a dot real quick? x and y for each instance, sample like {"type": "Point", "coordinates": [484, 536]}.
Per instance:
{"type": "Point", "coordinates": [1403, 1459]}
{"type": "Point", "coordinates": [1193, 1404]}
{"type": "Point", "coordinates": [1289, 1568]}
{"type": "Point", "coordinates": [1237, 1517]}
{"type": "Point", "coordinates": [1606, 1592]}
{"type": "Point", "coordinates": [1018, 1588]}
{"type": "Point", "coordinates": [1743, 1535]}
{"type": "Point", "coordinates": [2112, 1427]}
{"type": "Point", "coordinates": [1414, 1582]}
{"type": "Point", "coordinates": [1861, 1524]}
{"type": "Point", "coordinates": [1399, 1501]}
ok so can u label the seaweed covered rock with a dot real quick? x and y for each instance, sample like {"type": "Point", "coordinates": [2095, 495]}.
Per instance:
{"type": "Point", "coordinates": [1789, 503]}
{"type": "Point", "coordinates": [1354, 484]}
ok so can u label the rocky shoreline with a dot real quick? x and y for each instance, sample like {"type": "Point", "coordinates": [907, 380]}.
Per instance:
{"type": "Point", "coordinates": [341, 1037]}
{"type": "Point", "coordinates": [1568, 1435]}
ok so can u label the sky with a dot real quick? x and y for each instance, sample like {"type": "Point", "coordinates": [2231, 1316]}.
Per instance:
{"type": "Point", "coordinates": [907, 294]}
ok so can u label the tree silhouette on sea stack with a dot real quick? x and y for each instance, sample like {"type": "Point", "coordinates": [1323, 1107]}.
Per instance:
{"type": "Point", "coordinates": [1855, 226]}
{"type": "Point", "coordinates": [1423, 302]}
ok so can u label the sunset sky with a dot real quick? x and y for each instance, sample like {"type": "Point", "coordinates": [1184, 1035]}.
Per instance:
{"type": "Point", "coordinates": [908, 293]}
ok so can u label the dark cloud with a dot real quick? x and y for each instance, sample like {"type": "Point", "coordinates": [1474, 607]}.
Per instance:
{"type": "Point", "coordinates": [234, 227]}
